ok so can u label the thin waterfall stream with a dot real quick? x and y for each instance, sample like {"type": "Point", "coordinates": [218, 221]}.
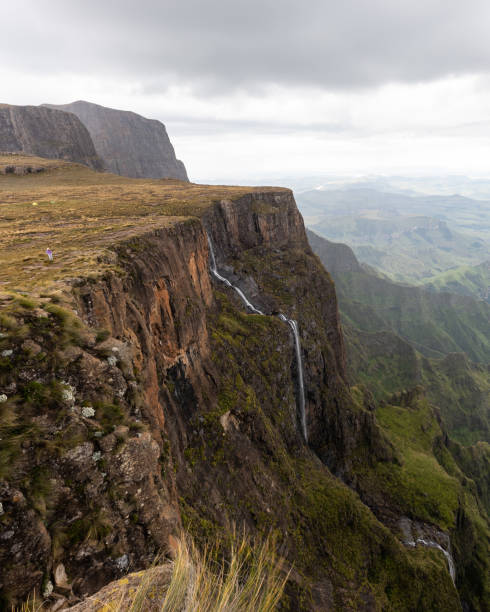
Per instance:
{"type": "Point", "coordinates": [449, 559]}
{"type": "Point", "coordinates": [292, 324]}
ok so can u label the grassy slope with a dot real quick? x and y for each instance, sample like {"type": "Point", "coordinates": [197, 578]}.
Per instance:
{"type": "Point", "coordinates": [460, 389]}
{"type": "Point", "coordinates": [401, 336]}
{"type": "Point", "coordinates": [79, 214]}
{"type": "Point", "coordinates": [434, 323]}
{"type": "Point", "coordinates": [436, 483]}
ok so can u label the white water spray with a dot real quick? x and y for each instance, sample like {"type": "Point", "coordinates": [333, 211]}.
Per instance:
{"type": "Point", "coordinates": [292, 324]}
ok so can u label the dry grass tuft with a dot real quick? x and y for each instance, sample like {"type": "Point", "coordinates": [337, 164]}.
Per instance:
{"type": "Point", "coordinates": [251, 580]}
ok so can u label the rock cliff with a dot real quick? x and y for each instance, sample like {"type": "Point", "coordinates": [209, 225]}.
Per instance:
{"type": "Point", "coordinates": [129, 144]}
{"type": "Point", "coordinates": [139, 397]}
{"type": "Point", "coordinates": [48, 133]}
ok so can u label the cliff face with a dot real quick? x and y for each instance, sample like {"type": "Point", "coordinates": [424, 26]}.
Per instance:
{"type": "Point", "coordinates": [47, 133]}
{"type": "Point", "coordinates": [146, 399]}
{"type": "Point", "coordinates": [129, 144]}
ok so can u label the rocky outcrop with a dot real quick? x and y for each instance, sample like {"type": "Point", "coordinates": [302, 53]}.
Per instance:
{"type": "Point", "coordinates": [340, 257]}
{"type": "Point", "coordinates": [46, 132]}
{"type": "Point", "coordinates": [129, 144]}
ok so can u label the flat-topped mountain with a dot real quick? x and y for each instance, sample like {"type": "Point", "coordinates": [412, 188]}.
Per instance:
{"type": "Point", "coordinates": [129, 144]}
{"type": "Point", "coordinates": [46, 132]}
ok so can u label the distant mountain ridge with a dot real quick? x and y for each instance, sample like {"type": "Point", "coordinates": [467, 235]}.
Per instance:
{"type": "Point", "coordinates": [46, 132]}
{"type": "Point", "coordinates": [410, 238]}
{"type": "Point", "coordinates": [129, 144]}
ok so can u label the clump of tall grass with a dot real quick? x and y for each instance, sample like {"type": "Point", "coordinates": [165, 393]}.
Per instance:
{"type": "Point", "coordinates": [251, 579]}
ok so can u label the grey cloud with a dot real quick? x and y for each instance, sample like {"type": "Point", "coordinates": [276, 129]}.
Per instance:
{"type": "Point", "coordinates": [221, 44]}
{"type": "Point", "coordinates": [185, 125]}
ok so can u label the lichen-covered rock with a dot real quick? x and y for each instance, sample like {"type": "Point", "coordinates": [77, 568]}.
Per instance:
{"type": "Point", "coordinates": [121, 593]}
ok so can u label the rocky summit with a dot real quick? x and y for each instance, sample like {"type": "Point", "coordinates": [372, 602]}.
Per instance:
{"type": "Point", "coordinates": [177, 368]}
{"type": "Point", "coordinates": [129, 144]}
{"type": "Point", "coordinates": [48, 133]}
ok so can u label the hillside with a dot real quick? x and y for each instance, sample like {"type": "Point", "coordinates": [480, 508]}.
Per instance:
{"type": "Point", "coordinates": [129, 144]}
{"type": "Point", "coordinates": [48, 133]}
{"type": "Point", "coordinates": [465, 280]}
{"type": "Point", "coordinates": [381, 200]}
{"type": "Point", "coordinates": [387, 351]}
{"type": "Point", "coordinates": [140, 398]}
{"type": "Point", "coordinates": [436, 324]}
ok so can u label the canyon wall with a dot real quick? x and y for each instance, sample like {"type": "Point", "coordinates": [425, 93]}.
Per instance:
{"type": "Point", "coordinates": [153, 402]}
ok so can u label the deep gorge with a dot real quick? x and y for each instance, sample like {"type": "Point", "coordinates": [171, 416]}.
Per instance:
{"type": "Point", "coordinates": [195, 422]}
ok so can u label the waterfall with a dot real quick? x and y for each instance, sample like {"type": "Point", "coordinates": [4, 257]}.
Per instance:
{"type": "Point", "coordinates": [224, 280]}
{"type": "Point", "coordinates": [450, 562]}
{"type": "Point", "coordinates": [292, 324]}
{"type": "Point", "coordinates": [299, 360]}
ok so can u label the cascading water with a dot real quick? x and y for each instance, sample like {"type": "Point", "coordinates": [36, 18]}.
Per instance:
{"type": "Point", "coordinates": [450, 562]}
{"type": "Point", "coordinates": [292, 324]}
{"type": "Point", "coordinates": [299, 360]}
{"type": "Point", "coordinates": [215, 272]}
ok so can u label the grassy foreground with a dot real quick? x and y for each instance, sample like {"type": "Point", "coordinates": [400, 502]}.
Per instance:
{"type": "Point", "coordinates": [251, 579]}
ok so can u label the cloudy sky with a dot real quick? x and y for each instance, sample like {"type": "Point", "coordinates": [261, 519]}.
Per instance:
{"type": "Point", "coordinates": [251, 88]}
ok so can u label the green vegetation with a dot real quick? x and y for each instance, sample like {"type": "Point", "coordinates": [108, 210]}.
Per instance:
{"type": "Point", "coordinates": [435, 324]}
{"type": "Point", "coordinates": [460, 389]}
{"type": "Point", "coordinates": [283, 490]}
{"type": "Point", "coordinates": [436, 481]}
{"type": "Point", "coordinates": [419, 486]}
{"type": "Point", "coordinates": [465, 280]}
{"type": "Point", "coordinates": [399, 336]}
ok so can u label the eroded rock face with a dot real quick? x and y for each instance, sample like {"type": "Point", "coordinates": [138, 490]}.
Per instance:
{"type": "Point", "coordinates": [46, 132]}
{"type": "Point", "coordinates": [129, 144]}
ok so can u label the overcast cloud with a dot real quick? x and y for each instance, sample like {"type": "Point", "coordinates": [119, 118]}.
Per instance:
{"type": "Point", "coordinates": [270, 85]}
